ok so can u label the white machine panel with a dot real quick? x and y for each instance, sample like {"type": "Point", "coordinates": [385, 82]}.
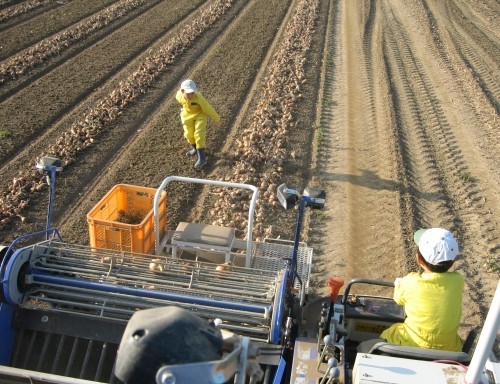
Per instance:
{"type": "Point", "coordinates": [369, 369]}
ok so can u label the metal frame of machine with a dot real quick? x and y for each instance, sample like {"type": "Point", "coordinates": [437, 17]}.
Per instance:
{"type": "Point", "coordinates": [68, 312]}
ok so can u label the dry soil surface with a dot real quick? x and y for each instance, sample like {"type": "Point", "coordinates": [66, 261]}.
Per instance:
{"type": "Point", "coordinates": [392, 107]}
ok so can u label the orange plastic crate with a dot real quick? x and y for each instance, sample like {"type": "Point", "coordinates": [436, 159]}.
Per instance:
{"type": "Point", "coordinates": [123, 201]}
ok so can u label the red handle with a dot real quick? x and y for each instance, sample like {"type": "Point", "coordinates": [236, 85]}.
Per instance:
{"type": "Point", "coordinates": [335, 283]}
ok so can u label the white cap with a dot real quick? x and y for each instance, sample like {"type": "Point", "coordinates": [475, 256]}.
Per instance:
{"type": "Point", "coordinates": [436, 245]}
{"type": "Point", "coordinates": [188, 86]}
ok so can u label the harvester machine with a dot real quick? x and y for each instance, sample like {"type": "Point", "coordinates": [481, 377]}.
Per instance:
{"type": "Point", "coordinates": [202, 307]}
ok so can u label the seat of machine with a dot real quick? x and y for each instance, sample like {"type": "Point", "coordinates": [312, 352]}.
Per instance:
{"type": "Point", "coordinates": [204, 236]}
{"type": "Point", "coordinates": [378, 347]}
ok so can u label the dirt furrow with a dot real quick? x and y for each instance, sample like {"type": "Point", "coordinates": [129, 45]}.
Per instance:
{"type": "Point", "coordinates": [370, 192]}
{"type": "Point", "coordinates": [327, 166]}
{"type": "Point", "coordinates": [228, 162]}
{"type": "Point", "coordinates": [86, 73]}
{"type": "Point", "coordinates": [22, 65]}
{"type": "Point", "coordinates": [24, 8]}
{"type": "Point", "coordinates": [257, 156]}
{"type": "Point", "coordinates": [123, 137]}
{"type": "Point", "coordinates": [160, 146]}
{"type": "Point", "coordinates": [22, 33]}
{"type": "Point", "coordinates": [6, 3]}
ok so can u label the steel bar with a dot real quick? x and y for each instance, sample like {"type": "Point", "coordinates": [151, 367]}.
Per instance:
{"type": "Point", "coordinates": [72, 357]}
{"type": "Point", "coordinates": [86, 359]}
{"type": "Point", "coordinates": [30, 349]}
{"type": "Point", "coordinates": [57, 358]}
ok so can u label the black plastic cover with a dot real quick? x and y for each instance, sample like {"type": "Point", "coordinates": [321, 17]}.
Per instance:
{"type": "Point", "coordinates": [164, 336]}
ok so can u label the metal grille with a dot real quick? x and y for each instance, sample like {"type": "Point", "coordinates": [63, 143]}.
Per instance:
{"type": "Point", "coordinates": [272, 255]}
{"type": "Point", "coordinates": [64, 355]}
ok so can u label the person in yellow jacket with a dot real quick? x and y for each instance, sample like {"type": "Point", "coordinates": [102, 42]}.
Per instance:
{"type": "Point", "coordinates": [432, 299]}
{"type": "Point", "coordinates": [194, 116]}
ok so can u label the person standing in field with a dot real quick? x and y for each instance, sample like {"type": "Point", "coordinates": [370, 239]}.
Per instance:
{"type": "Point", "coordinates": [194, 116]}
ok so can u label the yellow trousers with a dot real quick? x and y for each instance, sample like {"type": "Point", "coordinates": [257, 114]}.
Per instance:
{"type": "Point", "coordinates": [195, 128]}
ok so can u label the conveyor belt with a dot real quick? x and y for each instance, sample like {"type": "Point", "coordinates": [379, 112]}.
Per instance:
{"type": "Point", "coordinates": [113, 285]}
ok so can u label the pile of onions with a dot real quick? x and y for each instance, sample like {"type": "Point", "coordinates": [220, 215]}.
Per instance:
{"type": "Point", "coordinates": [261, 149]}
{"type": "Point", "coordinates": [17, 65]}
{"type": "Point", "coordinates": [24, 7]}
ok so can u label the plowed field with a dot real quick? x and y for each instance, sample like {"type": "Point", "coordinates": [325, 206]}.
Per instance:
{"type": "Point", "coordinates": [392, 107]}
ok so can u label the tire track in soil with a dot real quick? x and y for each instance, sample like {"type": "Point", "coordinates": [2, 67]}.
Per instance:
{"type": "Point", "coordinates": [160, 146]}
{"type": "Point", "coordinates": [328, 256]}
{"type": "Point", "coordinates": [356, 163]}
{"type": "Point", "coordinates": [485, 14]}
{"type": "Point", "coordinates": [466, 84]}
{"type": "Point", "coordinates": [475, 126]}
{"type": "Point", "coordinates": [387, 202]}
{"type": "Point", "coordinates": [477, 51]}
{"type": "Point", "coordinates": [422, 192]}
{"type": "Point", "coordinates": [430, 153]}
{"type": "Point", "coordinates": [87, 73]}
{"type": "Point", "coordinates": [371, 193]}
{"type": "Point", "coordinates": [436, 156]}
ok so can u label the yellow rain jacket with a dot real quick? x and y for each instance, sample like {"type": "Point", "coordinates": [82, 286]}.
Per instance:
{"type": "Point", "coordinates": [433, 305]}
{"type": "Point", "coordinates": [194, 115]}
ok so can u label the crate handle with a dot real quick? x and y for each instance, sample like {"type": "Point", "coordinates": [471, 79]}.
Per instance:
{"type": "Point", "coordinates": [103, 207]}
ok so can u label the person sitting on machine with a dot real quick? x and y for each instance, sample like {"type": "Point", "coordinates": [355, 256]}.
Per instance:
{"type": "Point", "coordinates": [432, 299]}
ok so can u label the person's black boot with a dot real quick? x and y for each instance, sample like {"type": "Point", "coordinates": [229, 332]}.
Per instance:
{"type": "Point", "coordinates": [191, 152]}
{"type": "Point", "coordinates": [202, 158]}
